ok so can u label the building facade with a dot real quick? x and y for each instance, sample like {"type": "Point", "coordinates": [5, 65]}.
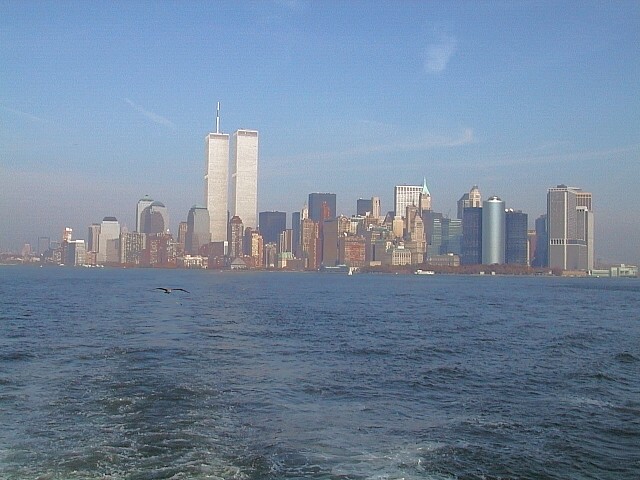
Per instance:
{"type": "Point", "coordinates": [244, 177]}
{"type": "Point", "coordinates": [322, 206]}
{"type": "Point", "coordinates": [569, 228]}
{"type": "Point", "coordinates": [198, 234]}
{"type": "Point", "coordinates": [216, 184]}
{"type": "Point", "coordinates": [493, 231]}
{"type": "Point", "coordinates": [516, 238]}
{"type": "Point", "coordinates": [109, 241]}
{"type": "Point", "coordinates": [271, 224]}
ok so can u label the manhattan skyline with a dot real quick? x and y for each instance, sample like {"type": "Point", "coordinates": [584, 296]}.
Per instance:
{"type": "Point", "coordinates": [102, 104]}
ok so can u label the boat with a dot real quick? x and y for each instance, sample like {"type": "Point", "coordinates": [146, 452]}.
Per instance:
{"type": "Point", "coordinates": [425, 272]}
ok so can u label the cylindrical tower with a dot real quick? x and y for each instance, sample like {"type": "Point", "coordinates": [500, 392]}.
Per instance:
{"type": "Point", "coordinates": [493, 231]}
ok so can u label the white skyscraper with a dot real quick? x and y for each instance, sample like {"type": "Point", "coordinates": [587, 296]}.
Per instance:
{"type": "Point", "coordinates": [216, 181]}
{"type": "Point", "coordinates": [244, 177]}
{"type": "Point", "coordinates": [142, 204]}
{"type": "Point", "coordinates": [109, 241]}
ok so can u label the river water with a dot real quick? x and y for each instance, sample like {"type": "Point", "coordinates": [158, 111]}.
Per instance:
{"type": "Point", "coordinates": [306, 375]}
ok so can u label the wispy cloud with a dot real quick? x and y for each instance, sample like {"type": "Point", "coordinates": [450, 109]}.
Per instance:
{"type": "Point", "coordinates": [24, 115]}
{"type": "Point", "coordinates": [427, 142]}
{"type": "Point", "coordinates": [439, 53]}
{"type": "Point", "coordinates": [154, 117]}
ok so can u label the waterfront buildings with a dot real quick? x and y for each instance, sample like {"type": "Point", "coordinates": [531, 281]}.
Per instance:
{"type": "Point", "coordinates": [244, 177]}
{"type": "Point", "coordinates": [493, 231]}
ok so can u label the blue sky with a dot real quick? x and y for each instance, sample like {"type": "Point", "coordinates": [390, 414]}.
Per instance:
{"type": "Point", "coordinates": [104, 102]}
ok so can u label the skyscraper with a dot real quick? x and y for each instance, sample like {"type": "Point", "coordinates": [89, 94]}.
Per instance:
{"type": "Point", "coordinates": [236, 237]}
{"type": "Point", "coordinates": [109, 241]}
{"type": "Point", "coordinates": [570, 228]}
{"type": "Point", "coordinates": [197, 230]}
{"type": "Point", "coordinates": [405, 196]}
{"type": "Point", "coordinates": [542, 243]}
{"type": "Point", "coordinates": [216, 181]}
{"type": "Point", "coordinates": [271, 225]}
{"type": "Point", "coordinates": [143, 203]}
{"type": "Point", "coordinates": [472, 236]}
{"type": "Point", "coordinates": [516, 238]}
{"type": "Point", "coordinates": [154, 219]}
{"type": "Point", "coordinates": [472, 199]}
{"type": "Point", "coordinates": [364, 206]}
{"type": "Point", "coordinates": [322, 206]}
{"type": "Point", "coordinates": [493, 231]}
{"type": "Point", "coordinates": [244, 177]}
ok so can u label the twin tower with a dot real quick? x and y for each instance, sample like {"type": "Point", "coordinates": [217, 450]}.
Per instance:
{"type": "Point", "coordinates": [231, 179]}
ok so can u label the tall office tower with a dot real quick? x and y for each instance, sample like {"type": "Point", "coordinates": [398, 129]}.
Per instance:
{"type": "Point", "coordinates": [322, 206]}
{"type": "Point", "coordinates": [271, 224]}
{"type": "Point", "coordinates": [463, 203]}
{"type": "Point", "coordinates": [493, 231]}
{"type": "Point", "coordinates": [429, 217]}
{"type": "Point", "coordinates": [405, 196]}
{"type": "Point", "coordinates": [154, 219]}
{"type": "Point", "coordinates": [585, 233]}
{"type": "Point", "coordinates": [309, 233]}
{"type": "Point", "coordinates": [472, 236]}
{"type": "Point", "coordinates": [143, 203]}
{"type": "Point", "coordinates": [236, 236]}
{"type": "Point", "coordinates": [244, 177]}
{"type": "Point", "coordinates": [568, 219]}
{"type": "Point", "coordinates": [198, 233]}
{"type": "Point", "coordinates": [216, 181]}
{"type": "Point", "coordinates": [182, 233]}
{"type": "Point", "coordinates": [375, 205]}
{"type": "Point", "coordinates": [364, 206]}
{"type": "Point", "coordinates": [295, 232]}
{"type": "Point", "coordinates": [475, 198]}
{"type": "Point", "coordinates": [256, 248]}
{"type": "Point", "coordinates": [516, 238]}
{"type": "Point", "coordinates": [93, 237]}
{"type": "Point", "coordinates": [471, 199]}
{"type": "Point", "coordinates": [74, 253]}
{"type": "Point", "coordinates": [67, 233]}
{"type": "Point", "coordinates": [132, 247]}
{"type": "Point", "coordinates": [424, 203]}
{"type": "Point", "coordinates": [285, 241]}
{"type": "Point", "coordinates": [109, 241]}
{"type": "Point", "coordinates": [43, 245]}
{"type": "Point", "coordinates": [541, 257]}
{"type": "Point", "coordinates": [451, 236]}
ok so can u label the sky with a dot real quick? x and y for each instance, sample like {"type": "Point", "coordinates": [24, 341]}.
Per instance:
{"type": "Point", "coordinates": [102, 103]}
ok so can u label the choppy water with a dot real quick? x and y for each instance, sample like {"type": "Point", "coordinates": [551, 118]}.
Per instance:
{"type": "Point", "coordinates": [283, 376]}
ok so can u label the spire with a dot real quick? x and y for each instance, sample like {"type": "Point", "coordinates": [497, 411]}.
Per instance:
{"type": "Point", "coordinates": [425, 189]}
{"type": "Point", "coordinates": [218, 118]}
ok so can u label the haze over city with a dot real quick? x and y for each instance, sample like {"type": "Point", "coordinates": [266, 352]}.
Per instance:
{"type": "Point", "coordinates": [101, 104]}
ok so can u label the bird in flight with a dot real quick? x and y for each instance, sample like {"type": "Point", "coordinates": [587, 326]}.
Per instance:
{"type": "Point", "coordinates": [169, 290]}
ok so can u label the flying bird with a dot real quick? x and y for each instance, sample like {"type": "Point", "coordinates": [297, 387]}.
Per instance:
{"type": "Point", "coordinates": [169, 290]}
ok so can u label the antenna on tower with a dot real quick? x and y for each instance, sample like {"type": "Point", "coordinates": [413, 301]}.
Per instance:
{"type": "Point", "coordinates": [218, 118]}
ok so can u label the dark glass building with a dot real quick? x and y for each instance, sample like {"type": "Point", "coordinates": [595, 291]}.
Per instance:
{"type": "Point", "coordinates": [271, 224]}
{"type": "Point", "coordinates": [516, 238]}
{"type": "Point", "coordinates": [322, 206]}
{"type": "Point", "coordinates": [472, 236]}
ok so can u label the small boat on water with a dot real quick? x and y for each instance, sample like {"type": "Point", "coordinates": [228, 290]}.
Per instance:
{"type": "Point", "coordinates": [425, 272]}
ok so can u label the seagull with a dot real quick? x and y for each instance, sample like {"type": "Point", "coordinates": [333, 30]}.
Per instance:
{"type": "Point", "coordinates": [169, 290]}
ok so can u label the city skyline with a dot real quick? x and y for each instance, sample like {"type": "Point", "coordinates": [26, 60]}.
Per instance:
{"type": "Point", "coordinates": [99, 108]}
